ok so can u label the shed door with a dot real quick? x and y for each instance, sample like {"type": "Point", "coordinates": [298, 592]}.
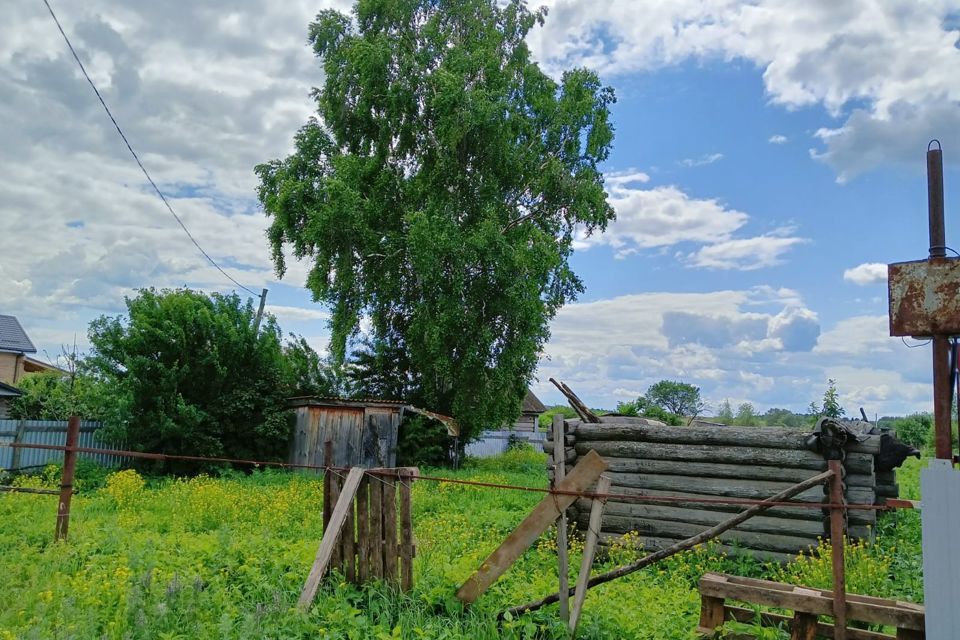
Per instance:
{"type": "Point", "coordinates": [378, 438]}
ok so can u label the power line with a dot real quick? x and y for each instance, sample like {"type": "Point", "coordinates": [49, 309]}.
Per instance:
{"type": "Point", "coordinates": [136, 157]}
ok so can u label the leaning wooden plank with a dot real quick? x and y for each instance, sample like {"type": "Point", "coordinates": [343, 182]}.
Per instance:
{"type": "Point", "coordinates": [683, 545]}
{"type": "Point", "coordinates": [589, 548]}
{"type": "Point", "coordinates": [798, 458]}
{"type": "Point", "coordinates": [762, 437]}
{"type": "Point", "coordinates": [543, 515]}
{"type": "Point", "coordinates": [330, 536]}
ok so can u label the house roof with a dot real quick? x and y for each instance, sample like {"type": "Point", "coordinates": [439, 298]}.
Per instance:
{"type": "Point", "coordinates": [13, 337]}
{"type": "Point", "coordinates": [8, 391]}
{"type": "Point", "coordinates": [532, 404]}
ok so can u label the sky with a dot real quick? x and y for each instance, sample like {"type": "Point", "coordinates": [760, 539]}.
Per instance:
{"type": "Point", "coordinates": [768, 163]}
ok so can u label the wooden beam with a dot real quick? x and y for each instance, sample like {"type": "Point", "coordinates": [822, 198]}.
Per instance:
{"type": "Point", "coordinates": [589, 548]}
{"type": "Point", "coordinates": [559, 472]}
{"type": "Point", "coordinates": [329, 540]}
{"type": "Point", "coordinates": [540, 518]}
{"type": "Point", "coordinates": [682, 545]}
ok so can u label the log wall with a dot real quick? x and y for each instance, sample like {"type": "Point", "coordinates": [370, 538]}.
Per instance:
{"type": "Point", "coordinates": [648, 458]}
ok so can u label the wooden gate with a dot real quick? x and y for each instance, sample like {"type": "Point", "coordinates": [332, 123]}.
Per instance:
{"type": "Point", "coordinates": [367, 528]}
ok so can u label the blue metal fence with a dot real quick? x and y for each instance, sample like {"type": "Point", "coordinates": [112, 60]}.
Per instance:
{"type": "Point", "coordinates": [493, 443]}
{"type": "Point", "coordinates": [51, 432]}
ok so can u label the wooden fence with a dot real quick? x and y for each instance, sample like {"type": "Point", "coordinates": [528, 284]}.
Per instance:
{"type": "Point", "coordinates": [648, 458]}
{"type": "Point", "coordinates": [376, 541]}
{"type": "Point", "coordinates": [49, 432]}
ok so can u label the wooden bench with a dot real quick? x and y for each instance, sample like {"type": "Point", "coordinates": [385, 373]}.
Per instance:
{"type": "Point", "coordinates": [807, 604]}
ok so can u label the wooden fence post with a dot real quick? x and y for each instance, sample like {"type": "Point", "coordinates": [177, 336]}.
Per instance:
{"type": "Point", "coordinates": [66, 478]}
{"type": "Point", "coordinates": [406, 532]}
{"type": "Point", "coordinates": [837, 550]}
{"type": "Point", "coordinates": [559, 472]}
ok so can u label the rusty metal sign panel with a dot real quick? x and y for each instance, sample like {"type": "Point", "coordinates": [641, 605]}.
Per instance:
{"type": "Point", "coordinates": [924, 297]}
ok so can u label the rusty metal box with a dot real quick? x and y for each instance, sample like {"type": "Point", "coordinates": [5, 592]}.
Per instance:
{"type": "Point", "coordinates": [924, 297]}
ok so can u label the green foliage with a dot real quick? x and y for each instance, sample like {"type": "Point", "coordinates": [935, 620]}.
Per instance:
{"type": "Point", "coordinates": [546, 418]}
{"type": "Point", "coordinates": [308, 374]}
{"type": "Point", "coordinates": [746, 415]}
{"type": "Point", "coordinates": [190, 375]}
{"type": "Point", "coordinates": [644, 408]}
{"type": "Point", "coordinates": [786, 418]}
{"type": "Point", "coordinates": [54, 395]}
{"type": "Point", "coordinates": [184, 558]}
{"type": "Point", "coordinates": [725, 415]}
{"type": "Point", "coordinates": [915, 429]}
{"type": "Point", "coordinates": [831, 401]}
{"type": "Point", "coordinates": [679, 398]}
{"type": "Point", "coordinates": [437, 192]}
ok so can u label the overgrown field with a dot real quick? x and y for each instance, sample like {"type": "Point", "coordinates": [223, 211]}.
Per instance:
{"type": "Point", "coordinates": [226, 558]}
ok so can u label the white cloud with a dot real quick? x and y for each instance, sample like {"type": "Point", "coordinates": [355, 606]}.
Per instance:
{"type": "Point", "coordinates": [202, 94]}
{"type": "Point", "coordinates": [859, 335]}
{"type": "Point", "coordinates": [665, 216]}
{"type": "Point", "coordinates": [746, 254]}
{"type": "Point", "coordinates": [895, 61]}
{"type": "Point", "coordinates": [707, 158]}
{"type": "Point", "coordinates": [866, 273]}
{"type": "Point", "coordinates": [296, 313]}
{"type": "Point", "coordinates": [777, 139]}
{"type": "Point", "coordinates": [609, 349]}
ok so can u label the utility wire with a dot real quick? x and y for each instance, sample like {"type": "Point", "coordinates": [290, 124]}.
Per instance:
{"type": "Point", "coordinates": [137, 158]}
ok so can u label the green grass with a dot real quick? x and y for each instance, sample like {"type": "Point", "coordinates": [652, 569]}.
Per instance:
{"type": "Point", "coordinates": [227, 557]}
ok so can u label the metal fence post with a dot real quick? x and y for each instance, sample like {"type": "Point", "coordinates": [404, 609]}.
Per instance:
{"type": "Point", "coordinates": [66, 478]}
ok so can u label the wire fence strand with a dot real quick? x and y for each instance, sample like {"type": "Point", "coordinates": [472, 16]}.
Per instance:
{"type": "Point", "coordinates": [399, 473]}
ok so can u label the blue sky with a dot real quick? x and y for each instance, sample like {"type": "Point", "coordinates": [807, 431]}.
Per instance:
{"type": "Point", "coordinates": [769, 157]}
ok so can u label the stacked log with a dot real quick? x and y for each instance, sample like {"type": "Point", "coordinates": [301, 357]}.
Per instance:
{"type": "Point", "coordinates": [649, 458]}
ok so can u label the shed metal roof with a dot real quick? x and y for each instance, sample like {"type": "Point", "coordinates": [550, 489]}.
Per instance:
{"type": "Point", "coordinates": [13, 337]}
{"type": "Point", "coordinates": [8, 391]}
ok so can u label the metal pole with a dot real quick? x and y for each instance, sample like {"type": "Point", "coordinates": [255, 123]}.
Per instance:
{"type": "Point", "coordinates": [66, 479]}
{"type": "Point", "coordinates": [837, 551]}
{"type": "Point", "coordinates": [941, 344]}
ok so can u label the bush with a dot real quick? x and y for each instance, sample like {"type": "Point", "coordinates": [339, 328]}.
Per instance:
{"type": "Point", "coordinates": [192, 374]}
{"type": "Point", "coordinates": [914, 430]}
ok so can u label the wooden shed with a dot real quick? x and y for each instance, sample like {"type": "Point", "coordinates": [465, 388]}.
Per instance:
{"type": "Point", "coordinates": [363, 432]}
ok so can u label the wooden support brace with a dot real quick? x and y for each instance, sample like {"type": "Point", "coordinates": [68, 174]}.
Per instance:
{"type": "Point", "coordinates": [543, 515]}
{"type": "Point", "coordinates": [589, 549]}
{"type": "Point", "coordinates": [330, 537]}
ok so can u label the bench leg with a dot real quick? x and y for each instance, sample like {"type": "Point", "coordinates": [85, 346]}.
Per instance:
{"type": "Point", "coordinates": [804, 627]}
{"type": "Point", "coordinates": [711, 614]}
